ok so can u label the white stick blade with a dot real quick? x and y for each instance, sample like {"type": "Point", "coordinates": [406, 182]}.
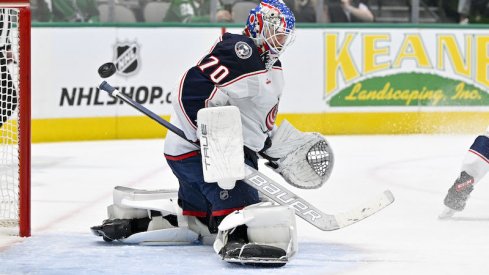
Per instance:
{"type": "Point", "coordinates": [365, 210]}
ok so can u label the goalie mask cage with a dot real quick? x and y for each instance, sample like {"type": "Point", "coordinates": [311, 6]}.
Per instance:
{"type": "Point", "coordinates": [15, 105]}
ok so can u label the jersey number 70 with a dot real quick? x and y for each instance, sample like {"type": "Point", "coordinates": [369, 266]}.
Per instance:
{"type": "Point", "coordinates": [219, 73]}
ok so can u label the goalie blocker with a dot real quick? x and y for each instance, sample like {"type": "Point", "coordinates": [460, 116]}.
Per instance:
{"type": "Point", "coordinates": [221, 144]}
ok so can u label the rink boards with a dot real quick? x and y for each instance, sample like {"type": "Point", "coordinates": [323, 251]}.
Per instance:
{"type": "Point", "coordinates": [350, 79]}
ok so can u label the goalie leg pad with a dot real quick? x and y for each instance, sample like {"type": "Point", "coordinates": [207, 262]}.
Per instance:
{"type": "Point", "coordinates": [260, 234]}
{"type": "Point", "coordinates": [150, 218]}
{"type": "Point", "coordinates": [129, 203]}
{"type": "Point", "coordinates": [161, 232]}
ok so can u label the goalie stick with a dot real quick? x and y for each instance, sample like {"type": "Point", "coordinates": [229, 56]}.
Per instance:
{"type": "Point", "coordinates": [273, 190]}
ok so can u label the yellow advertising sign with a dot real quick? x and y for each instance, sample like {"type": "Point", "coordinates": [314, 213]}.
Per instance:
{"type": "Point", "coordinates": [406, 68]}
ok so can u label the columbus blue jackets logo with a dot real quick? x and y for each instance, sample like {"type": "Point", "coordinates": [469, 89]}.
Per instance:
{"type": "Point", "coordinates": [243, 50]}
{"type": "Point", "coordinates": [271, 116]}
{"type": "Point", "coordinates": [127, 58]}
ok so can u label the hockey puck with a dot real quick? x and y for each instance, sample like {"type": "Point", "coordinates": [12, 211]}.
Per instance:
{"type": "Point", "coordinates": [107, 70]}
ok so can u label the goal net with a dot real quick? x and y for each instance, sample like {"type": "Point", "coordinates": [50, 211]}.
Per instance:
{"type": "Point", "coordinates": [14, 118]}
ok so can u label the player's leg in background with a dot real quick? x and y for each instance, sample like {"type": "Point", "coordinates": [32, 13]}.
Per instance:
{"type": "Point", "coordinates": [474, 168]}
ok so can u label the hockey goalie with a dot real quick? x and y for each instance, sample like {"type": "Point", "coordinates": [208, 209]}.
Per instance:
{"type": "Point", "coordinates": [227, 104]}
{"type": "Point", "coordinates": [242, 227]}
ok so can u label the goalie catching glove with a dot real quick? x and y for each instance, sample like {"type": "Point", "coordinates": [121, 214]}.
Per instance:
{"type": "Point", "coordinates": [305, 160]}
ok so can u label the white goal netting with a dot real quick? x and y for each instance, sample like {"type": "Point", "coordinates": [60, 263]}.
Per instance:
{"type": "Point", "coordinates": [9, 126]}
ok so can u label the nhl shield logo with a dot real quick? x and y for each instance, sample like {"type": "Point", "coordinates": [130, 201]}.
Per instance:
{"type": "Point", "coordinates": [223, 195]}
{"type": "Point", "coordinates": [127, 58]}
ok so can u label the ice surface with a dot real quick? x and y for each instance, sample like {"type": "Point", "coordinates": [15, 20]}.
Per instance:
{"type": "Point", "coordinates": [72, 185]}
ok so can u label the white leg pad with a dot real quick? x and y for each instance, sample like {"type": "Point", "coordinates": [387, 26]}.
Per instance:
{"type": "Point", "coordinates": [161, 232]}
{"type": "Point", "coordinates": [121, 192]}
{"type": "Point", "coordinates": [131, 203]}
{"type": "Point", "coordinates": [168, 236]}
{"type": "Point", "coordinates": [267, 224]}
{"type": "Point", "coordinates": [118, 212]}
{"type": "Point", "coordinates": [275, 226]}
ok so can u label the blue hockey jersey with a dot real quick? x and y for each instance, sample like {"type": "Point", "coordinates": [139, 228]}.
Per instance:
{"type": "Point", "coordinates": [232, 73]}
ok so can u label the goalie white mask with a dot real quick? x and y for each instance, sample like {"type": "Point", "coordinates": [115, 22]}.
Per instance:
{"type": "Point", "coordinates": [271, 25]}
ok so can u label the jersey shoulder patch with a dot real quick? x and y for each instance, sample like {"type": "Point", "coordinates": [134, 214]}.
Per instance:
{"type": "Point", "coordinates": [243, 50]}
{"type": "Point", "coordinates": [233, 57]}
{"type": "Point", "coordinates": [240, 52]}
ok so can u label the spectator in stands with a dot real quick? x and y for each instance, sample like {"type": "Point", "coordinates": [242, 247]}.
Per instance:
{"type": "Point", "coordinates": [448, 10]}
{"type": "Point", "coordinates": [194, 11]}
{"type": "Point", "coordinates": [222, 14]}
{"type": "Point", "coordinates": [464, 11]}
{"type": "Point", "coordinates": [239, 9]}
{"type": "Point", "coordinates": [479, 11]}
{"type": "Point", "coordinates": [75, 10]}
{"type": "Point", "coordinates": [40, 11]}
{"type": "Point", "coordinates": [137, 6]}
{"type": "Point", "coordinates": [304, 10]}
{"type": "Point", "coordinates": [349, 11]}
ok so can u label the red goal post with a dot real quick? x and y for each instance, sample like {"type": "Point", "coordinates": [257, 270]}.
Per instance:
{"type": "Point", "coordinates": [15, 118]}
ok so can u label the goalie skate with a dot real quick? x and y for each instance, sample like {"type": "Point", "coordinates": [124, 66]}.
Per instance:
{"type": "Point", "coordinates": [111, 230]}
{"type": "Point", "coordinates": [254, 254]}
{"type": "Point", "coordinates": [447, 213]}
{"type": "Point", "coordinates": [126, 231]}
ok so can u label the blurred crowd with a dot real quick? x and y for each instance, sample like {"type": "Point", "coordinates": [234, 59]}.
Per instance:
{"type": "Point", "coordinates": [306, 11]}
